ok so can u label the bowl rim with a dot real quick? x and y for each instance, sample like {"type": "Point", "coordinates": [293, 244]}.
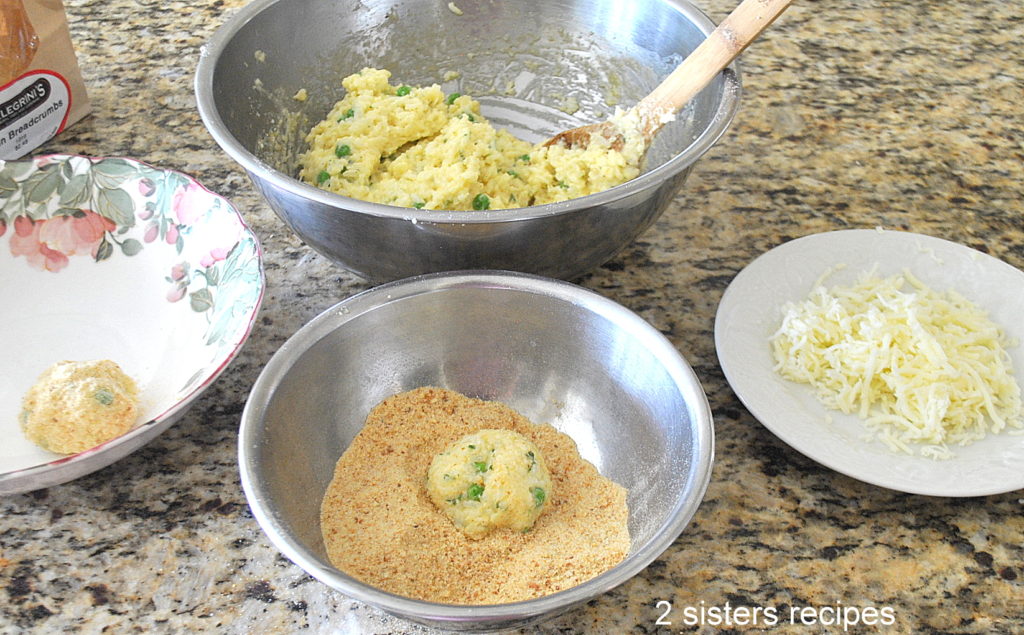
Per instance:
{"type": "Point", "coordinates": [366, 301]}
{"type": "Point", "coordinates": [70, 467]}
{"type": "Point", "coordinates": [210, 54]}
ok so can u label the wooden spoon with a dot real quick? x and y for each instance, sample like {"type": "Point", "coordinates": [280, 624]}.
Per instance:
{"type": "Point", "coordinates": [726, 42]}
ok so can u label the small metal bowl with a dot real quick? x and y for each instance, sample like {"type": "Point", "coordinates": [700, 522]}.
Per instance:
{"type": "Point", "coordinates": [556, 352]}
{"type": "Point", "coordinates": [530, 63]}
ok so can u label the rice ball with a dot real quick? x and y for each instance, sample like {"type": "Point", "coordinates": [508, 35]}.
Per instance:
{"type": "Point", "coordinates": [490, 479]}
{"type": "Point", "coordinates": [75, 406]}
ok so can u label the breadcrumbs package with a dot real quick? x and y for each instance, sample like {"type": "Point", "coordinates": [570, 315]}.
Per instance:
{"type": "Point", "coordinates": [41, 88]}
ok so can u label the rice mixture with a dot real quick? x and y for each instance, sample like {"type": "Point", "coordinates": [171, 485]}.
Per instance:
{"type": "Point", "coordinates": [417, 147]}
{"type": "Point", "coordinates": [489, 480]}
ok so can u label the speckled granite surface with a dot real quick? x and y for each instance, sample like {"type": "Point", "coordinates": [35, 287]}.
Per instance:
{"type": "Point", "coordinates": [856, 114]}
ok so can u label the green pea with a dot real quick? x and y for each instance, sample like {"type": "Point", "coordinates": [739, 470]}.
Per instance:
{"type": "Point", "coordinates": [419, 205]}
{"type": "Point", "coordinates": [342, 150]}
{"type": "Point", "coordinates": [451, 98]}
{"type": "Point", "coordinates": [104, 396]}
{"type": "Point", "coordinates": [475, 491]}
{"type": "Point", "coordinates": [323, 176]}
{"type": "Point", "coordinates": [403, 91]}
{"type": "Point", "coordinates": [348, 114]}
{"type": "Point", "coordinates": [538, 496]}
{"type": "Point", "coordinates": [481, 466]}
{"type": "Point", "coordinates": [481, 202]}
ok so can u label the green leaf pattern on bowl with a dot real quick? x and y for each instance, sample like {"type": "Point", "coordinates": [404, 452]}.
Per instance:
{"type": "Point", "coordinates": [56, 207]}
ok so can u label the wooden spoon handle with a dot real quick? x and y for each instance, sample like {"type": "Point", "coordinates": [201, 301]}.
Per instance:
{"type": "Point", "coordinates": [726, 42]}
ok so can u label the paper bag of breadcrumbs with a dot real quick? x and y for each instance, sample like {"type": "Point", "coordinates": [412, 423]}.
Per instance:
{"type": "Point", "coordinates": [41, 87]}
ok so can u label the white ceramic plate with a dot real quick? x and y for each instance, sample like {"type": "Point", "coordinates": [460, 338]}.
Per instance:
{"type": "Point", "coordinates": [115, 259]}
{"type": "Point", "coordinates": [751, 310]}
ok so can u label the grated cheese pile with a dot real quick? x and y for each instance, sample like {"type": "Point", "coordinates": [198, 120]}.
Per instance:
{"type": "Point", "coordinates": [918, 366]}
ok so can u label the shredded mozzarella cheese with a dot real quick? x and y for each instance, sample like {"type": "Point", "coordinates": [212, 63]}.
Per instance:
{"type": "Point", "coordinates": [922, 369]}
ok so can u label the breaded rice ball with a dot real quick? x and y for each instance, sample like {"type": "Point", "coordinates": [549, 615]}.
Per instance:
{"type": "Point", "coordinates": [75, 406]}
{"type": "Point", "coordinates": [490, 479]}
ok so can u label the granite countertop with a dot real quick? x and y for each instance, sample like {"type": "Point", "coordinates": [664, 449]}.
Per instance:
{"type": "Point", "coordinates": [908, 115]}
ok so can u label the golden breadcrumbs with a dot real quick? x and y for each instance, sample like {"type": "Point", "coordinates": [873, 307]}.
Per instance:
{"type": "Point", "coordinates": [380, 526]}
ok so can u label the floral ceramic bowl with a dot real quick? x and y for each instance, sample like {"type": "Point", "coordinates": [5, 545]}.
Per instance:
{"type": "Point", "coordinates": [115, 259]}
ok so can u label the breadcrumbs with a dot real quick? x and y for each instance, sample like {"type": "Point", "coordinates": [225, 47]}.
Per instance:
{"type": "Point", "coordinates": [75, 406]}
{"type": "Point", "coordinates": [380, 526]}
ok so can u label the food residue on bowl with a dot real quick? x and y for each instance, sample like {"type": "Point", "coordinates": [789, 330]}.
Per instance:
{"type": "Point", "coordinates": [918, 366]}
{"type": "Point", "coordinates": [75, 406]}
{"type": "Point", "coordinates": [381, 525]}
{"type": "Point", "coordinates": [417, 147]}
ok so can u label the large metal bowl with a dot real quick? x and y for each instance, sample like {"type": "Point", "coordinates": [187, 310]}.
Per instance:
{"type": "Point", "coordinates": [554, 351]}
{"type": "Point", "coordinates": [529, 62]}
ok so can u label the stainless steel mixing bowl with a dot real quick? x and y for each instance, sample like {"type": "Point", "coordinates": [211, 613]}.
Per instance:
{"type": "Point", "coordinates": [556, 352]}
{"type": "Point", "coordinates": [529, 62]}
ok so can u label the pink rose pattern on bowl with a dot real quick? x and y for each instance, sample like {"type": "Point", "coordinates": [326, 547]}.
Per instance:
{"type": "Point", "coordinates": [56, 209]}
